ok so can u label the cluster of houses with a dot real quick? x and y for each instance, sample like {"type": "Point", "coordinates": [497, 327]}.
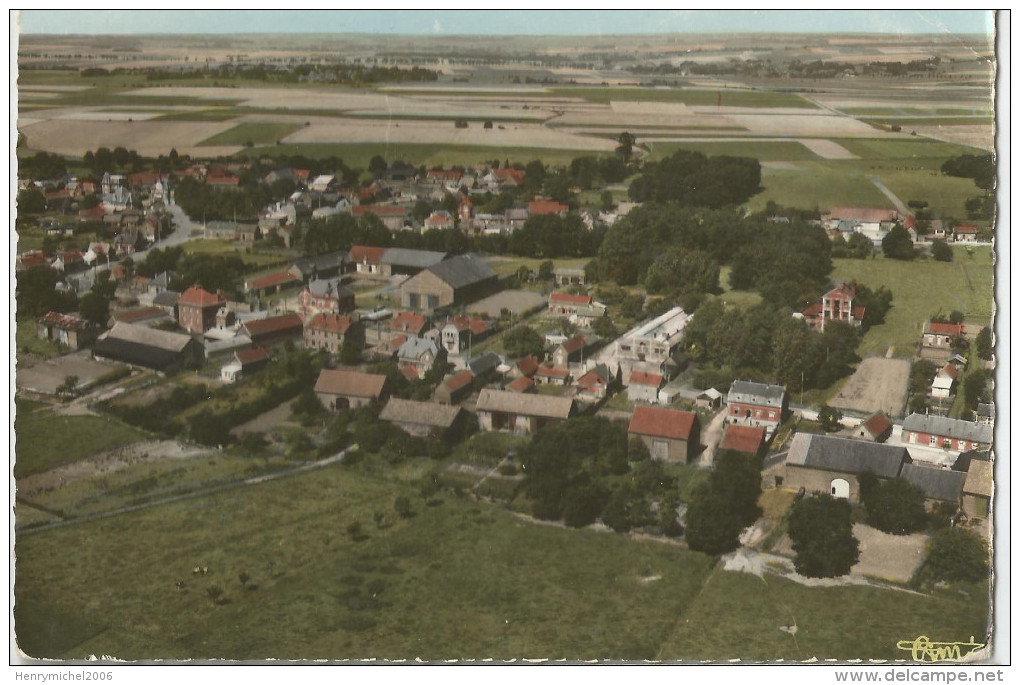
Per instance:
{"type": "Point", "coordinates": [875, 223]}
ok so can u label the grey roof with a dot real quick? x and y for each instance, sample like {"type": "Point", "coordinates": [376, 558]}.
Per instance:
{"type": "Point", "coordinates": [935, 483]}
{"type": "Point", "coordinates": [463, 270]}
{"type": "Point", "coordinates": [166, 298]}
{"type": "Point", "coordinates": [484, 363]}
{"type": "Point", "coordinates": [318, 287]}
{"type": "Point", "coordinates": [756, 393]}
{"type": "Point", "coordinates": [423, 413]}
{"type": "Point", "coordinates": [947, 427]}
{"type": "Point", "coordinates": [420, 259]}
{"type": "Point", "coordinates": [162, 280]}
{"type": "Point", "coordinates": [322, 262]}
{"type": "Point", "coordinates": [845, 455]}
{"type": "Point", "coordinates": [412, 348]}
{"type": "Point", "coordinates": [986, 410]}
{"type": "Point", "coordinates": [524, 403]}
{"type": "Point", "coordinates": [153, 337]}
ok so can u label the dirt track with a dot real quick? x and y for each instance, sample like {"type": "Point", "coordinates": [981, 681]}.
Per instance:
{"type": "Point", "coordinates": [878, 384]}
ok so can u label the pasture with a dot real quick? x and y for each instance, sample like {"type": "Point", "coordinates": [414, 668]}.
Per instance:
{"type": "Point", "coordinates": [920, 289]}
{"type": "Point", "coordinates": [728, 97]}
{"type": "Point", "coordinates": [247, 133]}
{"type": "Point", "coordinates": [46, 440]}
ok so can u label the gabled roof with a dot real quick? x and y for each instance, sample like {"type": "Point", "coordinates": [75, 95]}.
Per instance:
{"type": "Point", "coordinates": [528, 365]}
{"type": "Point", "coordinates": [662, 422]}
{"type": "Point", "coordinates": [140, 314]}
{"type": "Point", "coordinates": [546, 207]}
{"type": "Point", "coordinates": [710, 393]}
{"type": "Point", "coordinates": [748, 392]}
{"type": "Point", "coordinates": [979, 478]}
{"type": "Point", "coordinates": [949, 370]}
{"type": "Point", "coordinates": [935, 483]}
{"type": "Point", "coordinates": [418, 259]}
{"type": "Point", "coordinates": [463, 270]}
{"type": "Point", "coordinates": [462, 323]}
{"type": "Point", "coordinates": [878, 424]}
{"type": "Point", "coordinates": [199, 297]}
{"type": "Point", "coordinates": [322, 262]}
{"type": "Point", "coordinates": [595, 378]}
{"type": "Point", "coordinates": [67, 322]}
{"type": "Point", "coordinates": [272, 279]}
{"type": "Point", "coordinates": [335, 323]}
{"type": "Point", "coordinates": [569, 298]}
{"type": "Point", "coordinates": [943, 328]}
{"type": "Point", "coordinates": [484, 363]}
{"type": "Point", "coordinates": [273, 324]}
{"type": "Point", "coordinates": [166, 298]}
{"type": "Point", "coordinates": [574, 344]}
{"type": "Point", "coordinates": [522, 384]}
{"type": "Point", "coordinates": [946, 427]}
{"type": "Point", "coordinates": [870, 214]}
{"type": "Point", "coordinates": [152, 337]}
{"type": "Point", "coordinates": [422, 413]}
{"type": "Point", "coordinates": [524, 404]}
{"type": "Point", "coordinates": [846, 456]}
{"type": "Point", "coordinates": [459, 380]}
{"type": "Point", "coordinates": [252, 355]}
{"type": "Point", "coordinates": [413, 348]}
{"type": "Point", "coordinates": [367, 253]}
{"type": "Point", "coordinates": [411, 322]}
{"type": "Point", "coordinates": [320, 286]}
{"type": "Point", "coordinates": [549, 371]}
{"type": "Point", "coordinates": [516, 175]}
{"type": "Point", "coordinates": [645, 378]}
{"type": "Point", "coordinates": [966, 228]}
{"type": "Point", "coordinates": [743, 438]}
{"type": "Point", "coordinates": [352, 383]}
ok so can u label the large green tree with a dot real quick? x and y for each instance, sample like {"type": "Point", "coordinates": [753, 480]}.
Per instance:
{"type": "Point", "coordinates": [895, 506]}
{"type": "Point", "coordinates": [956, 554]}
{"type": "Point", "coordinates": [822, 536]}
{"type": "Point", "coordinates": [897, 244]}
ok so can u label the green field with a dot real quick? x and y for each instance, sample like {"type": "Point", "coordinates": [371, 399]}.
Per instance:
{"type": "Point", "coordinates": [458, 580]}
{"type": "Point", "coordinates": [738, 615]}
{"type": "Point", "coordinates": [689, 96]}
{"type": "Point", "coordinates": [815, 184]}
{"type": "Point", "coordinates": [358, 155]}
{"type": "Point", "coordinates": [915, 149]}
{"type": "Point", "coordinates": [766, 151]}
{"type": "Point", "coordinates": [945, 120]}
{"type": "Point", "coordinates": [259, 133]}
{"type": "Point", "coordinates": [920, 289]}
{"type": "Point", "coordinates": [45, 439]}
{"type": "Point", "coordinates": [892, 111]}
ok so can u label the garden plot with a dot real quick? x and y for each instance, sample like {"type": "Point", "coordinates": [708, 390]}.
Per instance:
{"type": "Point", "coordinates": [46, 376]}
{"type": "Point", "coordinates": [517, 301]}
{"type": "Point", "coordinates": [889, 557]}
{"type": "Point", "coordinates": [877, 384]}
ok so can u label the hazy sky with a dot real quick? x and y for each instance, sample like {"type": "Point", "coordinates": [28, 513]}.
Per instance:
{"type": "Point", "coordinates": [576, 22]}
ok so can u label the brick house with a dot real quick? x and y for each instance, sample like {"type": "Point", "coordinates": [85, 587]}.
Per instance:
{"type": "Point", "coordinates": [419, 354]}
{"type": "Point", "coordinates": [460, 331]}
{"type": "Point", "coordinates": [965, 233]}
{"type": "Point", "coordinates": [644, 387]}
{"type": "Point", "coordinates": [837, 305]}
{"type": "Point", "coordinates": [669, 434]}
{"type": "Point", "coordinates": [949, 434]}
{"type": "Point", "coordinates": [876, 428]}
{"type": "Point", "coordinates": [567, 303]}
{"type": "Point", "coordinates": [411, 323]}
{"type": "Point", "coordinates": [325, 296]}
{"type": "Point", "coordinates": [520, 413]}
{"type": "Point", "coordinates": [197, 307]}
{"type": "Point", "coordinates": [756, 404]}
{"type": "Point", "coordinates": [341, 389]}
{"type": "Point", "coordinates": [568, 351]}
{"type": "Point", "coordinates": [270, 283]}
{"type": "Point", "coordinates": [273, 329]}
{"type": "Point", "coordinates": [456, 388]}
{"type": "Point", "coordinates": [941, 335]}
{"type": "Point", "coordinates": [328, 331]}
{"type": "Point", "coordinates": [367, 260]}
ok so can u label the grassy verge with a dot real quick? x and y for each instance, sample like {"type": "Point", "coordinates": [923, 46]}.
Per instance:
{"type": "Point", "coordinates": [920, 289]}
{"type": "Point", "coordinates": [778, 150]}
{"type": "Point", "coordinates": [28, 340]}
{"type": "Point", "coordinates": [738, 615]}
{"type": "Point", "coordinates": [46, 440]}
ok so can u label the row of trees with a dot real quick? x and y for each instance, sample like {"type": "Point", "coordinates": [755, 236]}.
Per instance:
{"type": "Point", "coordinates": [694, 179]}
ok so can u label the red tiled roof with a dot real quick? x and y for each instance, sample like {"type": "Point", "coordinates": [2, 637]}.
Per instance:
{"type": "Point", "coordinates": [271, 279]}
{"type": "Point", "coordinates": [950, 371]}
{"type": "Point", "coordinates": [408, 321]}
{"type": "Point", "coordinates": [72, 256]}
{"type": "Point", "coordinates": [353, 383]}
{"type": "Point", "coordinates": [528, 365]}
{"type": "Point", "coordinates": [336, 323]}
{"type": "Point", "coordinates": [410, 372]}
{"type": "Point", "coordinates": [462, 323]}
{"type": "Point", "coordinates": [301, 174]}
{"type": "Point", "coordinates": [522, 384]}
{"type": "Point", "coordinates": [570, 298]}
{"type": "Point", "coordinates": [503, 174]}
{"type": "Point", "coordinates": [459, 380]}
{"type": "Point", "coordinates": [945, 328]}
{"type": "Point", "coordinates": [397, 340]}
{"type": "Point", "coordinates": [662, 422]}
{"type": "Point", "coordinates": [142, 177]}
{"type": "Point", "coordinates": [445, 174]}
{"type": "Point", "coordinates": [67, 322]}
{"type": "Point", "coordinates": [844, 289]}
{"type": "Point", "coordinates": [30, 259]}
{"type": "Point", "coordinates": [252, 355]}
{"type": "Point", "coordinates": [966, 228]}
{"type": "Point", "coordinates": [199, 297]}
{"type": "Point", "coordinates": [222, 179]}
{"type": "Point", "coordinates": [812, 310]}
{"type": "Point", "coordinates": [863, 213]}
{"type": "Point", "coordinates": [859, 312]}
{"type": "Point", "coordinates": [574, 344]}
{"type": "Point", "coordinates": [140, 314]}
{"type": "Point", "coordinates": [272, 324]}
{"type": "Point", "coordinates": [546, 207]}
{"type": "Point", "coordinates": [367, 253]}
{"type": "Point", "coordinates": [592, 379]}
{"type": "Point", "coordinates": [96, 212]}
{"type": "Point", "coordinates": [644, 378]}
{"type": "Point", "coordinates": [877, 424]}
{"type": "Point", "coordinates": [743, 438]}
{"type": "Point", "coordinates": [551, 371]}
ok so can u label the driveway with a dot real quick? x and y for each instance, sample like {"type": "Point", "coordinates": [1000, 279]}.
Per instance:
{"type": "Point", "coordinates": [712, 436]}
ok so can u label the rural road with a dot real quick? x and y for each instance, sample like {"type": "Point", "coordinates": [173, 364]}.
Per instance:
{"type": "Point", "coordinates": [900, 207]}
{"type": "Point", "coordinates": [713, 436]}
{"type": "Point", "coordinates": [303, 468]}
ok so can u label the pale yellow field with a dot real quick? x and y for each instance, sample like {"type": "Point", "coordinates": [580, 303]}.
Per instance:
{"type": "Point", "coordinates": [74, 137]}
{"type": "Point", "coordinates": [977, 135]}
{"type": "Point", "coordinates": [794, 123]}
{"type": "Point", "coordinates": [827, 149]}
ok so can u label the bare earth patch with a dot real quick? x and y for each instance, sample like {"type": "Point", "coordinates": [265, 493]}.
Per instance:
{"type": "Point", "coordinates": [877, 384]}
{"type": "Point", "coordinates": [149, 138]}
{"type": "Point", "coordinates": [891, 557]}
{"type": "Point", "coordinates": [517, 301]}
{"type": "Point", "coordinates": [827, 149]}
